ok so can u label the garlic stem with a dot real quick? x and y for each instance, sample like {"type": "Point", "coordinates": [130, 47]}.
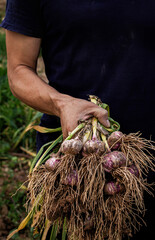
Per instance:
{"type": "Point", "coordinates": [94, 120]}
{"type": "Point", "coordinates": [79, 127]}
{"type": "Point", "coordinates": [94, 125]}
{"type": "Point", "coordinates": [86, 136]}
{"type": "Point", "coordinates": [105, 142]}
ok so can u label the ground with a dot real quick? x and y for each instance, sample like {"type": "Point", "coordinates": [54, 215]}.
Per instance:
{"type": "Point", "coordinates": [11, 211]}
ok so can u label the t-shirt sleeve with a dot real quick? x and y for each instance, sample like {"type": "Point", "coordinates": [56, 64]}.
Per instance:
{"type": "Point", "coordinates": [23, 16]}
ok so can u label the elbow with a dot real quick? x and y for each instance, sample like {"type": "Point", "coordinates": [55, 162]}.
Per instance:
{"type": "Point", "coordinates": [12, 82]}
{"type": "Point", "coordinates": [16, 78]}
{"type": "Point", "coordinates": [13, 88]}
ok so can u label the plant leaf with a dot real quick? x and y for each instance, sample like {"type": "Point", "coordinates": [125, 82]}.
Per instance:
{"type": "Point", "coordinates": [21, 136]}
{"type": "Point", "coordinates": [22, 224]}
{"type": "Point", "coordinates": [36, 116]}
{"type": "Point", "coordinates": [41, 160]}
{"type": "Point", "coordinates": [26, 220]}
{"type": "Point", "coordinates": [115, 126]}
{"type": "Point", "coordinates": [28, 217]}
{"type": "Point", "coordinates": [35, 218]}
{"type": "Point", "coordinates": [54, 231]}
{"type": "Point", "coordinates": [64, 231]}
{"type": "Point", "coordinates": [106, 107]}
{"type": "Point", "coordinates": [47, 227]}
{"type": "Point", "coordinates": [12, 233]}
{"type": "Point", "coordinates": [38, 155]}
{"type": "Point", "coordinates": [78, 128]}
{"type": "Point", "coordinates": [33, 154]}
{"type": "Point", "coordinates": [17, 131]}
{"type": "Point", "coordinates": [33, 120]}
{"type": "Point", "coordinates": [44, 129]}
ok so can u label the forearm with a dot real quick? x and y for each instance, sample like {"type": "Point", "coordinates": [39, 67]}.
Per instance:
{"type": "Point", "coordinates": [26, 85]}
{"type": "Point", "coordinates": [33, 91]}
{"type": "Point", "coordinates": [22, 53]}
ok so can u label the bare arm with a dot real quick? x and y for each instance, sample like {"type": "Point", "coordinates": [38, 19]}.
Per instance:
{"type": "Point", "coordinates": [25, 84]}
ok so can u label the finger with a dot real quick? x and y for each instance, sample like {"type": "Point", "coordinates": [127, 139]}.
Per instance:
{"type": "Point", "coordinates": [102, 116]}
{"type": "Point", "coordinates": [85, 117]}
{"type": "Point", "coordinates": [65, 134]}
{"type": "Point", "coordinates": [71, 127]}
{"type": "Point", "coordinates": [64, 130]}
{"type": "Point", "coordinates": [68, 129]}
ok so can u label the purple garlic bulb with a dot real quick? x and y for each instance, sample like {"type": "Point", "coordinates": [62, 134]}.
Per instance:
{"type": "Point", "coordinates": [112, 188]}
{"type": "Point", "coordinates": [52, 162]}
{"type": "Point", "coordinates": [71, 179]}
{"type": "Point", "coordinates": [72, 146]}
{"type": "Point", "coordinates": [134, 170]}
{"type": "Point", "coordinates": [114, 140]}
{"type": "Point", "coordinates": [114, 160]}
{"type": "Point", "coordinates": [94, 146]}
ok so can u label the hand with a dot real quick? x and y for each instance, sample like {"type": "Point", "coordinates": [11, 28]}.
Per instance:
{"type": "Point", "coordinates": [74, 109]}
{"type": "Point", "coordinates": [25, 84]}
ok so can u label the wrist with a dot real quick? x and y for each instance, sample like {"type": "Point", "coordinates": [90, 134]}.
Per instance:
{"type": "Point", "coordinates": [59, 102]}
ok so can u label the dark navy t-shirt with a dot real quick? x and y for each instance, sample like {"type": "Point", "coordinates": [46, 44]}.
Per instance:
{"type": "Point", "coordinates": [100, 47]}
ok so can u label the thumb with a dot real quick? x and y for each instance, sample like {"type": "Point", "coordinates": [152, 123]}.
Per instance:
{"type": "Point", "coordinates": [102, 116]}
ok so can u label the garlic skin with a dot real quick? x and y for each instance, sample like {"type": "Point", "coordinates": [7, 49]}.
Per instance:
{"type": "Point", "coordinates": [114, 160]}
{"type": "Point", "coordinates": [71, 179]}
{"type": "Point", "coordinates": [112, 188]}
{"type": "Point", "coordinates": [94, 146]}
{"type": "Point", "coordinates": [134, 170]}
{"type": "Point", "coordinates": [51, 163]}
{"type": "Point", "coordinates": [114, 140]}
{"type": "Point", "coordinates": [72, 146]}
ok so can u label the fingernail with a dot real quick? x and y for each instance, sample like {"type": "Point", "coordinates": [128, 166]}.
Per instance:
{"type": "Point", "coordinates": [108, 123]}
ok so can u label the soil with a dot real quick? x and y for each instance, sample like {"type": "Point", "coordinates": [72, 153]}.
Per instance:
{"type": "Point", "coordinates": [8, 187]}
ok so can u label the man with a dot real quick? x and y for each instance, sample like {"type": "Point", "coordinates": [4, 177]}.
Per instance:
{"type": "Point", "coordinates": [104, 48]}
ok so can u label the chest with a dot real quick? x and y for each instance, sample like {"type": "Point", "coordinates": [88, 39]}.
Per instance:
{"type": "Point", "coordinates": [64, 14]}
{"type": "Point", "coordinates": [75, 13]}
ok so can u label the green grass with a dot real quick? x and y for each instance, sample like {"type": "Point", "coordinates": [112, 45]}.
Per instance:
{"type": "Point", "coordinates": [2, 47]}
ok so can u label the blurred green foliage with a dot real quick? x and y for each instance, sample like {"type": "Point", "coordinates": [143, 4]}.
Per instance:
{"type": "Point", "coordinates": [14, 118]}
{"type": "Point", "coordinates": [14, 115]}
{"type": "Point", "coordinates": [2, 9]}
